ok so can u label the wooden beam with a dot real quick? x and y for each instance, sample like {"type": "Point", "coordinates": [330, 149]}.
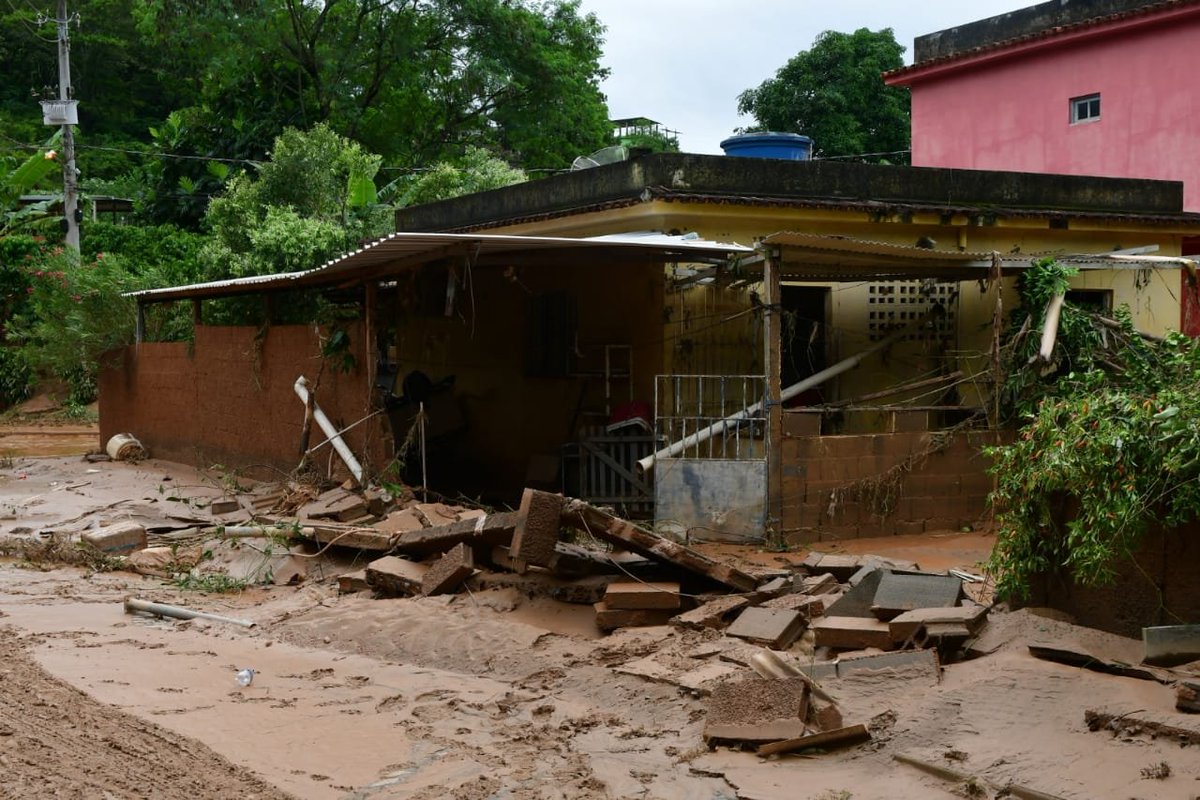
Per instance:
{"type": "Point", "coordinates": [842, 737]}
{"type": "Point", "coordinates": [773, 366]}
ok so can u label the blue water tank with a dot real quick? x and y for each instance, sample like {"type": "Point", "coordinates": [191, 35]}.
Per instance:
{"type": "Point", "coordinates": [768, 144]}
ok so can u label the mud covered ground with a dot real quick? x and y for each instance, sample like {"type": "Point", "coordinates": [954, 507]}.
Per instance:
{"type": "Point", "coordinates": [489, 694]}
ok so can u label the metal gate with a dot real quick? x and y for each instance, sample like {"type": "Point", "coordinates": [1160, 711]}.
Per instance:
{"type": "Point", "coordinates": [715, 486]}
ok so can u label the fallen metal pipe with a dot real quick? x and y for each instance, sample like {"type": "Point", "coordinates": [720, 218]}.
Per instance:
{"type": "Point", "coordinates": [331, 431]}
{"type": "Point", "coordinates": [178, 612]}
{"type": "Point", "coordinates": [795, 390]}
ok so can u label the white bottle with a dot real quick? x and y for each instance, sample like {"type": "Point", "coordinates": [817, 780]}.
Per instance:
{"type": "Point", "coordinates": [245, 676]}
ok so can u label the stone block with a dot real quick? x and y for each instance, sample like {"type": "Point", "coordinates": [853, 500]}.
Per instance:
{"type": "Point", "coordinates": [538, 522]}
{"type": "Point", "coordinates": [609, 619]}
{"type": "Point", "coordinates": [851, 633]}
{"type": "Point", "coordinates": [898, 593]}
{"type": "Point", "coordinates": [353, 582]}
{"type": "Point", "coordinates": [448, 572]}
{"type": "Point", "coordinates": [713, 614]}
{"type": "Point", "coordinates": [394, 576]}
{"type": "Point", "coordinates": [636, 594]}
{"type": "Point", "coordinates": [772, 627]}
{"type": "Point", "coordinates": [120, 537]}
{"type": "Point", "coordinates": [906, 625]}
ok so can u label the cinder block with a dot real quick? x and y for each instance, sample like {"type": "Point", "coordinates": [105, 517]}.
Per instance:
{"type": "Point", "coordinates": [609, 619]}
{"type": "Point", "coordinates": [538, 521]}
{"type": "Point", "coordinates": [772, 627]}
{"type": "Point", "coordinates": [898, 593]}
{"type": "Point", "coordinates": [851, 633]}
{"type": "Point", "coordinates": [636, 594]}
{"type": "Point", "coordinates": [394, 576]}
{"type": "Point", "coordinates": [448, 572]}
{"type": "Point", "coordinates": [120, 537]}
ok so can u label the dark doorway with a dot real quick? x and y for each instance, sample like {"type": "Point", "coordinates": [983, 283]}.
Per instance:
{"type": "Point", "coordinates": [805, 311]}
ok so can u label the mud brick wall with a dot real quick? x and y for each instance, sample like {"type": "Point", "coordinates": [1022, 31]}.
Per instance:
{"type": "Point", "coordinates": [228, 399]}
{"type": "Point", "coordinates": [825, 497]}
{"type": "Point", "coordinates": [1159, 586]}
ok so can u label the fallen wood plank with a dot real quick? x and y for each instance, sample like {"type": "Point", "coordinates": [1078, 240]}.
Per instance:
{"type": "Point", "coordinates": [841, 737]}
{"type": "Point", "coordinates": [394, 576]}
{"type": "Point", "coordinates": [958, 776]}
{"type": "Point", "coordinates": [492, 529]}
{"type": "Point", "coordinates": [587, 518]}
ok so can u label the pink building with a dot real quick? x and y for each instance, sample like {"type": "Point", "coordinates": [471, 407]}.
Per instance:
{"type": "Point", "coordinates": [1080, 87]}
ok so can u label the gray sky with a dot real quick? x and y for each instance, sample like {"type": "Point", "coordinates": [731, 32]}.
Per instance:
{"type": "Point", "coordinates": [684, 62]}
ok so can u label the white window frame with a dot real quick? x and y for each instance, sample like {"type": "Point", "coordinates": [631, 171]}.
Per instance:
{"type": "Point", "coordinates": [1084, 103]}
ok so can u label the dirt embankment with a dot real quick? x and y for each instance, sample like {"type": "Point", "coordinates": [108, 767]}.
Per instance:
{"type": "Point", "coordinates": [55, 741]}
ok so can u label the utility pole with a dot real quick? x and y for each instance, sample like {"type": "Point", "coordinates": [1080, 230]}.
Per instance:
{"type": "Point", "coordinates": [71, 212]}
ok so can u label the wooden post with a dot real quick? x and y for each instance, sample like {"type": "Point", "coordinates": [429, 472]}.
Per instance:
{"type": "Point", "coordinates": [772, 363]}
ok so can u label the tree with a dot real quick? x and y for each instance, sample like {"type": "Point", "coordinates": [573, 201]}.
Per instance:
{"type": "Point", "coordinates": [835, 94]}
{"type": "Point", "coordinates": [477, 171]}
{"type": "Point", "coordinates": [314, 199]}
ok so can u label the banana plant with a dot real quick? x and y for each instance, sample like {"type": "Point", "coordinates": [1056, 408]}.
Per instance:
{"type": "Point", "coordinates": [18, 178]}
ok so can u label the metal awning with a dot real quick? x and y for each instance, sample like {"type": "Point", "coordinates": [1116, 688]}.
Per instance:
{"type": "Point", "coordinates": [816, 257]}
{"type": "Point", "coordinates": [398, 252]}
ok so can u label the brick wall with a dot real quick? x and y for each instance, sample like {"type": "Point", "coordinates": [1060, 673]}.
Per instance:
{"type": "Point", "coordinates": [846, 487]}
{"type": "Point", "coordinates": [228, 399]}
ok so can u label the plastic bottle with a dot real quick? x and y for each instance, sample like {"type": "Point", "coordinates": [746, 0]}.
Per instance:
{"type": "Point", "coordinates": [245, 676]}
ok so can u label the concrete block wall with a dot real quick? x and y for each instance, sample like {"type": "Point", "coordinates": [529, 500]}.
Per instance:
{"type": "Point", "coordinates": [228, 398]}
{"type": "Point", "coordinates": [828, 483]}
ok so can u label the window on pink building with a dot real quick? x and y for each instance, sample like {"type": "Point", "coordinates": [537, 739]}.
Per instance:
{"type": "Point", "coordinates": [1085, 109]}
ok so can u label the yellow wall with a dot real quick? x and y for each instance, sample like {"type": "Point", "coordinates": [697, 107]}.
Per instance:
{"type": "Point", "coordinates": [698, 339]}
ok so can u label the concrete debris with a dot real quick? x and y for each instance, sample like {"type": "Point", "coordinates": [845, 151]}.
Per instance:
{"type": "Point", "coordinates": [448, 572]}
{"type": "Point", "coordinates": [776, 628]}
{"type": "Point", "coordinates": [392, 576]}
{"type": "Point", "coordinates": [638, 594]}
{"type": "Point", "coordinates": [1168, 645]}
{"type": "Point", "coordinates": [120, 537]}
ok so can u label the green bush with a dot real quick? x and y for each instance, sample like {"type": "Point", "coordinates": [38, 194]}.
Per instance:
{"type": "Point", "coordinates": [16, 378]}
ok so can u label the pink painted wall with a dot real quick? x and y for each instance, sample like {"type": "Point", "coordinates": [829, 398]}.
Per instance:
{"type": "Point", "coordinates": [1014, 114]}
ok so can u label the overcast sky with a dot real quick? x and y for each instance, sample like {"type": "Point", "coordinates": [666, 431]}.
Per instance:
{"type": "Point", "coordinates": [684, 62]}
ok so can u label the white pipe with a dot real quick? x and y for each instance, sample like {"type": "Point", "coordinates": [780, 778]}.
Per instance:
{"type": "Point", "coordinates": [331, 432]}
{"type": "Point", "coordinates": [795, 390]}
{"type": "Point", "coordinates": [178, 612]}
{"type": "Point", "coordinates": [1050, 327]}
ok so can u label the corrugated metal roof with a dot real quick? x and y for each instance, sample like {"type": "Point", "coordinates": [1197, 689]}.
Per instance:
{"type": "Point", "coordinates": [820, 257]}
{"type": "Point", "coordinates": [398, 251]}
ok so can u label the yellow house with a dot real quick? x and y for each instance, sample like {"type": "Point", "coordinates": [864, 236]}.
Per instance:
{"type": "Point", "coordinates": [867, 255]}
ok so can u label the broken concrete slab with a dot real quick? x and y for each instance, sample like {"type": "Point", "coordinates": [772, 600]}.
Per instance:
{"type": "Point", "coordinates": [809, 607]}
{"type": "Point", "coordinates": [353, 537]}
{"type": "Point", "coordinates": [698, 680]}
{"type": "Point", "coordinates": [434, 515]}
{"type": "Point", "coordinates": [609, 619]}
{"type": "Point", "coordinates": [713, 614]}
{"type": "Point", "coordinates": [164, 562]}
{"type": "Point", "coordinates": [336, 504]}
{"type": "Point", "coordinates": [604, 526]}
{"type": "Point", "coordinates": [1078, 657]}
{"type": "Point", "coordinates": [119, 537]}
{"type": "Point", "coordinates": [492, 529]}
{"type": "Point", "coordinates": [1170, 645]}
{"type": "Point", "coordinates": [353, 582]}
{"type": "Point", "coordinates": [907, 625]}
{"type": "Point", "coordinates": [537, 529]}
{"type": "Point", "coordinates": [851, 633]}
{"type": "Point", "coordinates": [399, 522]}
{"type": "Point", "coordinates": [756, 710]}
{"type": "Point", "coordinates": [841, 567]}
{"type": "Point", "coordinates": [776, 628]}
{"type": "Point", "coordinates": [924, 662]}
{"type": "Point", "coordinates": [588, 590]}
{"type": "Point", "coordinates": [394, 576]}
{"type": "Point", "coordinates": [639, 594]}
{"type": "Point", "coordinates": [572, 560]}
{"type": "Point", "coordinates": [448, 572]}
{"type": "Point", "coordinates": [1187, 697]}
{"type": "Point", "coordinates": [900, 592]}
{"type": "Point", "coordinates": [858, 600]}
{"type": "Point", "coordinates": [818, 584]}
{"type": "Point", "coordinates": [224, 506]}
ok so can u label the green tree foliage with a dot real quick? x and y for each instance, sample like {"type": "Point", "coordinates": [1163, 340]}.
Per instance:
{"type": "Point", "coordinates": [312, 200]}
{"type": "Point", "coordinates": [1108, 444]}
{"type": "Point", "coordinates": [834, 93]}
{"type": "Point", "coordinates": [476, 171]}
